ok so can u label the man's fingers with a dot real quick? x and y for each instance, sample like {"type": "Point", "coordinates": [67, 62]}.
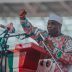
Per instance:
{"type": "Point", "coordinates": [22, 12]}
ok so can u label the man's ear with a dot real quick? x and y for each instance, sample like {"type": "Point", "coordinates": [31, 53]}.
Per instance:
{"type": "Point", "coordinates": [60, 25]}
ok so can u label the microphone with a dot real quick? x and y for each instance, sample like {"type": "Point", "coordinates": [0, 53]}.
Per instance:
{"type": "Point", "coordinates": [41, 35]}
{"type": "Point", "coordinates": [10, 28]}
{"type": "Point", "coordinates": [26, 35]}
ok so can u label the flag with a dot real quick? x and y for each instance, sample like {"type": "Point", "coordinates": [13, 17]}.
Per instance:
{"type": "Point", "coordinates": [15, 61]}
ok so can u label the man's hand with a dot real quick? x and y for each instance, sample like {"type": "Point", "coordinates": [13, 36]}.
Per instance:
{"type": "Point", "coordinates": [49, 44]}
{"type": "Point", "coordinates": [22, 13]}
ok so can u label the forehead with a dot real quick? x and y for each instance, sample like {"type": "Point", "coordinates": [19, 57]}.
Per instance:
{"type": "Point", "coordinates": [52, 22]}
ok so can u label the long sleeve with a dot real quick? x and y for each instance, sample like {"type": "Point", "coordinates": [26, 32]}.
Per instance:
{"type": "Point", "coordinates": [29, 29]}
{"type": "Point", "coordinates": [27, 26]}
{"type": "Point", "coordinates": [66, 56]}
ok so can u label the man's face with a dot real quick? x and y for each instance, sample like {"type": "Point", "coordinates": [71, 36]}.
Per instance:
{"type": "Point", "coordinates": [53, 27]}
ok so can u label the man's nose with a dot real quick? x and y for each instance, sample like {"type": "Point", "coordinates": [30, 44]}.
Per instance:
{"type": "Point", "coordinates": [49, 26]}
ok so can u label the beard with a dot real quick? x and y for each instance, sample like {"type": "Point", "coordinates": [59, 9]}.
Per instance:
{"type": "Point", "coordinates": [53, 33]}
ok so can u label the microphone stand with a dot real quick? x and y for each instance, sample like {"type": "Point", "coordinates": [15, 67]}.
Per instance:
{"type": "Point", "coordinates": [4, 46]}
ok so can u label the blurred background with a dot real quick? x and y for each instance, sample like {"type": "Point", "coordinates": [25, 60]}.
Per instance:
{"type": "Point", "coordinates": [37, 14]}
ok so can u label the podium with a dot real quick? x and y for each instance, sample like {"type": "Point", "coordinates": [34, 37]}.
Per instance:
{"type": "Point", "coordinates": [29, 56]}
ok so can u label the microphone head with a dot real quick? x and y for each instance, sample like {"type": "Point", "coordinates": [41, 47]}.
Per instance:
{"type": "Point", "coordinates": [11, 28]}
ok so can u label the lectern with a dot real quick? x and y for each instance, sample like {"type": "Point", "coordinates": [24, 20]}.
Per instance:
{"type": "Point", "coordinates": [29, 55]}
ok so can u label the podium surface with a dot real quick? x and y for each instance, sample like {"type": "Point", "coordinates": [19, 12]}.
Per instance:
{"type": "Point", "coordinates": [29, 55]}
{"type": "Point", "coordinates": [32, 54]}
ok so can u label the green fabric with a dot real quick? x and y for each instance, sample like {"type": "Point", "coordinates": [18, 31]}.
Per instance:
{"type": "Point", "coordinates": [2, 41]}
{"type": "Point", "coordinates": [59, 54]}
{"type": "Point", "coordinates": [24, 24]}
{"type": "Point", "coordinates": [10, 62]}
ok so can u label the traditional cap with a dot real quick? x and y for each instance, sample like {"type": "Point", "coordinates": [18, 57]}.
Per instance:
{"type": "Point", "coordinates": [55, 17]}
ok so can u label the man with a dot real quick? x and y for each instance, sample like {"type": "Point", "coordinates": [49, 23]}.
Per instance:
{"type": "Point", "coordinates": [58, 44]}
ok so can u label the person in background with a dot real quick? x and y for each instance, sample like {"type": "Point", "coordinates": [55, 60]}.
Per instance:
{"type": "Point", "coordinates": [59, 44]}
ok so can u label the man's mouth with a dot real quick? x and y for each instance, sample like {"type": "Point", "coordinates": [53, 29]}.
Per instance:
{"type": "Point", "coordinates": [49, 29]}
